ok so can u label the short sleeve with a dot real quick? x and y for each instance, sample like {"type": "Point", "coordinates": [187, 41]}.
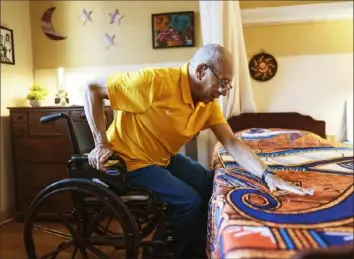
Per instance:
{"type": "Point", "coordinates": [216, 116]}
{"type": "Point", "coordinates": [132, 91]}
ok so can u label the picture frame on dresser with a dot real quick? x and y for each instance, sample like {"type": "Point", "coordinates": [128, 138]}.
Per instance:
{"type": "Point", "coordinates": [50, 151]}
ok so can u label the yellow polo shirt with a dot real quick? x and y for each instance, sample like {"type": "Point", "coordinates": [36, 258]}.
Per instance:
{"type": "Point", "coordinates": [155, 115]}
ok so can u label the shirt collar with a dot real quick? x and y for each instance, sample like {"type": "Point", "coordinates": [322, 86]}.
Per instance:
{"type": "Point", "coordinates": [186, 89]}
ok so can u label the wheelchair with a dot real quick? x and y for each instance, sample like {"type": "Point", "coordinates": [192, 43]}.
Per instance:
{"type": "Point", "coordinates": [99, 200]}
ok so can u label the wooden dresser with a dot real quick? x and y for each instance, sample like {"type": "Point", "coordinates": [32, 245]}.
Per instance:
{"type": "Point", "coordinates": [40, 152]}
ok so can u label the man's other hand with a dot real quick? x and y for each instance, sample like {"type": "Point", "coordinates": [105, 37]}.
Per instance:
{"type": "Point", "coordinates": [98, 156]}
{"type": "Point", "coordinates": [274, 182]}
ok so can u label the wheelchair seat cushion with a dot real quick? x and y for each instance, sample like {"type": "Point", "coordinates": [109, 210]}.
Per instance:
{"type": "Point", "coordinates": [84, 170]}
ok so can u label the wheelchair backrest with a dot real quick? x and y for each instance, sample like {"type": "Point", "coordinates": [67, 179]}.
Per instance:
{"type": "Point", "coordinates": [84, 135]}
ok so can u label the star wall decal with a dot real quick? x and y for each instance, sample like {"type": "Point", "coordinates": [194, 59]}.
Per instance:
{"type": "Point", "coordinates": [109, 40]}
{"type": "Point", "coordinates": [116, 17]}
{"type": "Point", "coordinates": [86, 16]}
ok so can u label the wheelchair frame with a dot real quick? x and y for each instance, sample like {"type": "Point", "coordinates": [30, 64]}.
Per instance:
{"type": "Point", "coordinates": [133, 206]}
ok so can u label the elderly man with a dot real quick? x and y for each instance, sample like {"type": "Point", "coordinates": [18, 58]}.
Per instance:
{"type": "Point", "coordinates": [158, 111]}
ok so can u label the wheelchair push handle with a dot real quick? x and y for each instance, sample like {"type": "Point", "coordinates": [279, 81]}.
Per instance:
{"type": "Point", "coordinates": [51, 117]}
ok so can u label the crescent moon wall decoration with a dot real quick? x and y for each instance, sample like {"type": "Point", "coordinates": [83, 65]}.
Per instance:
{"type": "Point", "coordinates": [263, 67]}
{"type": "Point", "coordinates": [47, 26]}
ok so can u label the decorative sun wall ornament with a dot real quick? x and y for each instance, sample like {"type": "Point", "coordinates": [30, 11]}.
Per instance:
{"type": "Point", "coordinates": [115, 17]}
{"type": "Point", "coordinates": [263, 66]}
{"type": "Point", "coordinates": [109, 40]}
{"type": "Point", "coordinates": [86, 16]}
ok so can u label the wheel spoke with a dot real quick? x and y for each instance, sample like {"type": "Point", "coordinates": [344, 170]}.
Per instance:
{"type": "Point", "coordinates": [83, 251]}
{"type": "Point", "coordinates": [90, 227]}
{"type": "Point", "coordinates": [73, 256]}
{"type": "Point", "coordinates": [53, 232]}
{"type": "Point", "coordinates": [97, 252]}
{"type": "Point", "coordinates": [104, 232]}
{"type": "Point", "coordinates": [109, 222]}
{"type": "Point", "coordinates": [67, 224]}
{"type": "Point", "coordinates": [61, 247]}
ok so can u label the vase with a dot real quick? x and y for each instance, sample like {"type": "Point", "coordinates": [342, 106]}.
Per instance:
{"type": "Point", "coordinates": [35, 103]}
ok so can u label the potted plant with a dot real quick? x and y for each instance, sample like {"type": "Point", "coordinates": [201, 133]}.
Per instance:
{"type": "Point", "coordinates": [36, 95]}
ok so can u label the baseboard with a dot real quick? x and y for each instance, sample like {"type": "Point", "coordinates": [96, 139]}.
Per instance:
{"type": "Point", "coordinates": [6, 215]}
{"type": "Point", "coordinates": [298, 13]}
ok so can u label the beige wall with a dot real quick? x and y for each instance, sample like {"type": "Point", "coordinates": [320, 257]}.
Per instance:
{"type": "Point", "coordinates": [257, 4]}
{"type": "Point", "coordinates": [315, 64]}
{"type": "Point", "coordinates": [301, 38]}
{"type": "Point", "coordinates": [85, 45]}
{"type": "Point", "coordinates": [15, 81]}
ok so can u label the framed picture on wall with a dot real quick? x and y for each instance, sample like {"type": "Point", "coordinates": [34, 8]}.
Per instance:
{"type": "Point", "coordinates": [172, 30]}
{"type": "Point", "coordinates": [7, 52]}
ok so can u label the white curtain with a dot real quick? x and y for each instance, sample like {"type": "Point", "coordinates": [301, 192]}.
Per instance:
{"type": "Point", "coordinates": [349, 120]}
{"type": "Point", "coordinates": [221, 23]}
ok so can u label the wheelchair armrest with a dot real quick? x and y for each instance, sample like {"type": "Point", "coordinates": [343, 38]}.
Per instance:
{"type": "Point", "coordinates": [79, 158]}
{"type": "Point", "coordinates": [111, 164]}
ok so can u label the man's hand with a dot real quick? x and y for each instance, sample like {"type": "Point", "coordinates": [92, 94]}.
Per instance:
{"type": "Point", "coordinates": [251, 162]}
{"type": "Point", "coordinates": [274, 182]}
{"type": "Point", "coordinates": [95, 92]}
{"type": "Point", "coordinates": [98, 156]}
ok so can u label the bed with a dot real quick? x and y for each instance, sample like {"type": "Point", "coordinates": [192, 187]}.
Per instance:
{"type": "Point", "coordinates": [247, 221]}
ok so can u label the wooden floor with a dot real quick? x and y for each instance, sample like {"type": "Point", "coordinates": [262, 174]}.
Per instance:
{"type": "Point", "coordinates": [12, 244]}
{"type": "Point", "coordinates": [11, 241]}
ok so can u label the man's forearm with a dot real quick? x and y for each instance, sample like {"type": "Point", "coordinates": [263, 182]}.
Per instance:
{"type": "Point", "coordinates": [94, 110]}
{"type": "Point", "coordinates": [246, 157]}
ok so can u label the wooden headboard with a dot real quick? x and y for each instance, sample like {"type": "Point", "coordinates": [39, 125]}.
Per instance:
{"type": "Point", "coordinates": [287, 120]}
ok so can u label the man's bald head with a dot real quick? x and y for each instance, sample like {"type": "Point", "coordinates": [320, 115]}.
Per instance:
{"type": "Point", "coordinates": [211, 69]}
{"type": "Point", "coordinates": [213, 55]}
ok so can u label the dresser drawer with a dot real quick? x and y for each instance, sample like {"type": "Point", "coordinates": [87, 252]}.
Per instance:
{"type": "Point", "coordinates": [20, 130]}
{"type": "Point", "coordinates": [61, 202]}
{"type": "Point", "coordinates": [57, 128]}
{"type": "Point", "coordinates": [39, 175]}
{"type": "Point", "coordinates": [19, 117]}
{"type": "Point", "coordinates": [50, 150]}
{"type": "Point", "coordinates": [78, 115]}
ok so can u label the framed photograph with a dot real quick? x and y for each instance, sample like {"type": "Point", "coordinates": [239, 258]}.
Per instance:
{"type": "Point", "coordinates": [172, 30]}
{"type": "Point", "coordinates": [7, 52]}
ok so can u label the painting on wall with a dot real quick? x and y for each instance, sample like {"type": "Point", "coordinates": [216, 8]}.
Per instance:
{"type": "Point", "coordinates": [171, 30]}
{"type": "Point", "coordinates": [7, 46]}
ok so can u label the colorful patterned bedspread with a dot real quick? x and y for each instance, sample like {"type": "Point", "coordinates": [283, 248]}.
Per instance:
{"type": "Point", "coordinates": [247, 221]}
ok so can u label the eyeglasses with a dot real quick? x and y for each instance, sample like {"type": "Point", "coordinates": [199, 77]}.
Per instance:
{"type": "Point", "coordinates": [224, 83]}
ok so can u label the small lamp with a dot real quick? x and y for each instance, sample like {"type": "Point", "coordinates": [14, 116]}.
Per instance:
{"type": "Point", "coordinates": [61, 98]}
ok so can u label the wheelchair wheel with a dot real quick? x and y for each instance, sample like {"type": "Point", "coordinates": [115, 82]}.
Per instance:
{"type": "Point", "coordinates": [79, 232]}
